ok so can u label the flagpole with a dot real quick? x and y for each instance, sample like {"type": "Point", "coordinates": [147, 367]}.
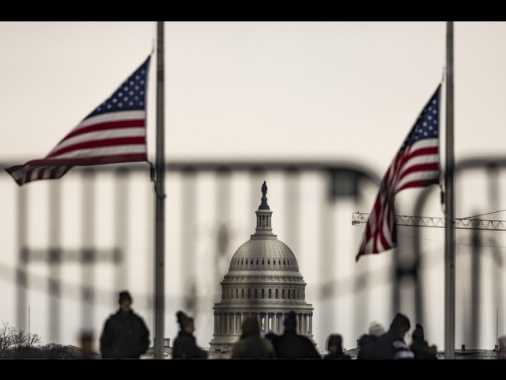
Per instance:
{"type": "Point", "coordinates": [449, 203]}
{"type": "Point", "coordinates": [160, 198]}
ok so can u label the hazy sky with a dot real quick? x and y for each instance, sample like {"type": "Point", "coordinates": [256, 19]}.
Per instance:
{"type": "Point", "coordinates": [329, 90]}
{"type": "Point", "coordinates": [310, 89]}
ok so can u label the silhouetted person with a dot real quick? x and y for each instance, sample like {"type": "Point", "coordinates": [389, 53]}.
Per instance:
{"type": "Point", "coordinates": [419, 345]}
{"type": "Point", "coordinates": [250, 344]}
{"type": "Point", "coordinates": [125, 334]}
{"type": "Point", "coordinates": [291, 345]}
{"type": "Point", "coordinates": [185, 344]}
{"type": "Point", "coordinates": [335, 348]}
{"type": "Point", "coordinates": [391, 345]}
{"type": "Point", "coordinates": [366, 341]}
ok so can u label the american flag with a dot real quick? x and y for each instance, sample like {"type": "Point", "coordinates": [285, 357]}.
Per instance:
{"type": "Point", "coordinates": [112, 133]}
{"type": "Point", "coordinates": [415, 165]}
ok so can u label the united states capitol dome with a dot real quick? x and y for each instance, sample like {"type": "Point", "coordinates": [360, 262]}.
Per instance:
{"type": "Point", "coordinates": [263, 254]}
{"type": "Point", "coordinates": [263, 280]}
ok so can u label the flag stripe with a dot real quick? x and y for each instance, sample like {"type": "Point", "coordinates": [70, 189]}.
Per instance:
{"type": "Point", "coordinates": [87, 146]}
{"type": "Point", "coordinates": [133, 126]}
{"type": "Point", "coordinates": [416, 164]}
{"type": "Point", "coordinates": [114, 132]}
{"type": "Point", "coordinates": [124, 119]}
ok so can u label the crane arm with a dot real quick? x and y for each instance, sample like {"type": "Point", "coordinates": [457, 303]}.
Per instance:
{"type": "Point", "coordinates": [429, 221]}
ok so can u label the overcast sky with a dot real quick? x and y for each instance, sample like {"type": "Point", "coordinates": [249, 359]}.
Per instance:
{"type": "Point", "coordinates": [310, 89]}
{"type": "Point", "coordinates": [327, 90]}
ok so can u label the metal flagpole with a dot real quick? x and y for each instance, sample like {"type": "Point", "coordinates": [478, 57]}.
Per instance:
{"type": "Point", "coordinates": [449, 204]}
{"type": "Point", "coordinates": [160, 198]}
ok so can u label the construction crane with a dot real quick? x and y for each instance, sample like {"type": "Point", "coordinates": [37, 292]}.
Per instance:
{"type": "Point", "coordinates": [429, 221]}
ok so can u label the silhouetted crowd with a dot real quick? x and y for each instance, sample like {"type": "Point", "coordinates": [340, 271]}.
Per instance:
{"type": "Point", "coordinates": [376, 344]}
{"type": "Point", "coordinates": [126, 336]}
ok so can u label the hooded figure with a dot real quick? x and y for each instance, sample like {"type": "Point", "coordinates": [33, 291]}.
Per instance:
{"type": "Point", "coordinates": [250, 344]}
{"type": "Point", "coordinates": [335, 348]}
{"type": "Point", "coordinates": [391, 345]}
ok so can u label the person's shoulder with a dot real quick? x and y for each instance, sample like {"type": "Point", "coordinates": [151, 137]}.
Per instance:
{"type": "Point", "coordinates": [137, 315]}
{"type": "Point", "coordinates": [305, 339]}
{"type": "Point", "coordinates": [385, 337]}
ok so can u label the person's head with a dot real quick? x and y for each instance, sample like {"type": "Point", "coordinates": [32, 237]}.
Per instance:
{"type": "Point", "coordinates": [290, 322]}
{"type": "Point", "coordinates": [250, 326]}
{"type": "Point", "coordinates": [418, 334]}
{"type": "Point", "coordinates": [376, 329]}
{"type": "Point", "coordinates": [335, 343]}
{"type": "Point", "coordinates": [185, 322]}
{"type": "Point", "coordinates": [400, 325]}
{"type": "Point", "coordinates": [125, 300]}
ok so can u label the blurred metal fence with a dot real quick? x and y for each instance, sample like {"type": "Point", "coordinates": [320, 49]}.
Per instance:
{"type": "Point", "coordinates": [81, 239]}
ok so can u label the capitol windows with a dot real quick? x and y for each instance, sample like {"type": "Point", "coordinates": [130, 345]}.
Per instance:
{"type": "Point", "coordinates": [256, 293]}
{"type": "Point", "coordinates": [283, 293]}
{"type": "Point", "coordinates": [276, 293]}
{"type": "Point", "coordinates": [270, 293]}
{"type": "Point", "coordinates": [249, 293]}
{"type": "Point", "coordinates": [242, 293]}
{"type": "Point", "coordinates": [263, 293]}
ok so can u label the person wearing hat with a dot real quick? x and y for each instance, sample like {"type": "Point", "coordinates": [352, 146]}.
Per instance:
{"type": "Point", "coordinates": [366, 342]}
{"type": "Point", "coordinates": [391, 345]}
{"type": "Point", "coordinates": [185, 343]}
{"type": "Point", "coordinates": [125, 334]}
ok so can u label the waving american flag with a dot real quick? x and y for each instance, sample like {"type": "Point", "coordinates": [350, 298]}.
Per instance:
{"type": "Point", "coordinates": [112, 133]}
{"type": "Point", "coordinates": [415, 165]}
